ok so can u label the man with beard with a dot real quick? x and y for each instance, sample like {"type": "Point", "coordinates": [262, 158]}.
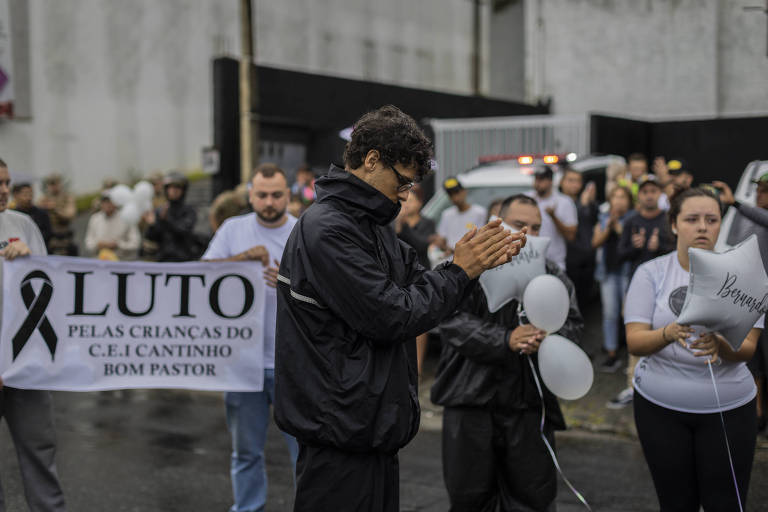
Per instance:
{"type": "Point", "coordinates": [172, 226]}
{"type": "Point", "coordinates": [261, 237]}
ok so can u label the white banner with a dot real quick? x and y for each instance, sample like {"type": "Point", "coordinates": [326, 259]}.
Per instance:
{"type": "Point", "coordinates": [6, 62]}
{"type": "Point", "coordinates": [75, 324]}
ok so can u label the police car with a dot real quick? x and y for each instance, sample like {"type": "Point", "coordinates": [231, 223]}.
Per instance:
{"type": "Point", "coordinates": [501, 176]}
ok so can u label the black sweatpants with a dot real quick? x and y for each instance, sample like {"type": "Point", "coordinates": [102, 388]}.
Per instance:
{"type": "Point", "coordinates": [497, 461]}
{"type": "Point", "coordinates": [687, 456]}
{"type": "Point", "coordinates": [328, 479]}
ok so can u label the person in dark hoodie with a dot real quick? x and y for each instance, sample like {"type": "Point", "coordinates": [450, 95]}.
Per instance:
{"type": "Point", "coordinates": [350, 301]}
{"type": "Point", "coordinates": [22, 199]}
{"type": "Point", "coordinates": [493, 454]}
{"type": "Point", "coordinates": [171, 226]}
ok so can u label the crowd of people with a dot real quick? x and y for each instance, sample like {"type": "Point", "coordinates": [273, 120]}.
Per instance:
{"type": "Point", "coordinates": [640, 235]}
{"type": "Point", "coordinates": [354, 286]}
{"type": "Point", "coordinates": [166, 232]}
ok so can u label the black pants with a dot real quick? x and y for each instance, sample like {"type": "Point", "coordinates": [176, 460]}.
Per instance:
{"type": "Point", "coordinates": [687, 456]}
{"type": "Point", "coordinates": [497, 461]}
{"type": "Point", "coordinates": [581, 272]}
{"type": "Point", "coordinates": [328, 479]}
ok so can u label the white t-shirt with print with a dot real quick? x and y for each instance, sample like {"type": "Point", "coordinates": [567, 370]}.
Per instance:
{"type": "Point", "coordinates": [238, 234]}
{"type": "Point", "coordinates": [453, 223]}
{"type": "Point", "coordinates": [565, 211]}
{"type": "Point", "coordinates": [673, 377]}
{"type": "Point", "coordinates": [19, 226]}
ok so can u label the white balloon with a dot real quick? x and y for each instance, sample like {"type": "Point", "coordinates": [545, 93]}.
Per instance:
{"type": "Point", "coordinates": [565, 369]}
{"type": "Point", "coordinates": [507, 282]}
{"type": "Point", "coordinates": [144, 190]}
{"type": "Point", "coordinates": [546, 302]}
{"type": "Point", "coordinates": [727, 292]}
{"type": "Point", "coordinates": [130, 213]}
{"type": "Point", "coordinates": [120, 195]}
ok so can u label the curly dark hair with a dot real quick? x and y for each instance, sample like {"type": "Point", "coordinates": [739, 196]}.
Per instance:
{"type": "Point", "coordinates": [395, 135]}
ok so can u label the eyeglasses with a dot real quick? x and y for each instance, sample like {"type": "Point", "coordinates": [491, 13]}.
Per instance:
{"type": "Point", "coordinates": [405, 183]}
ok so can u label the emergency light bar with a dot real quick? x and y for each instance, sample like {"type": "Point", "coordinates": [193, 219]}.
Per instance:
{"type": "Point", "coordinates": [526, 159]}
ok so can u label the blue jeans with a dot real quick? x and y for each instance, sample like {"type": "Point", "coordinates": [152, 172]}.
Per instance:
{"type": "Point", "coordinates": [247, 419]}
{"type": "Point", "coordinates": [613, 289]}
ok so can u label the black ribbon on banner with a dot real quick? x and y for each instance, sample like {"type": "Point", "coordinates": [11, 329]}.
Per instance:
{"type": "Point", "coordinates": [36, 319]}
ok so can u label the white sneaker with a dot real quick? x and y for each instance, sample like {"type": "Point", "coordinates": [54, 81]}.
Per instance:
{"type": "Point", "coordinates": [623, 399]}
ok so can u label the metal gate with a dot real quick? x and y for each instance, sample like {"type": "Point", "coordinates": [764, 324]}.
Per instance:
{"type": "Point", "coordinates": [459, 143]}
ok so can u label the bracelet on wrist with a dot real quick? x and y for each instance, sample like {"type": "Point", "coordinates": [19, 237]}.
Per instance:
{"type": "Point", "coordinates": [664, 334]}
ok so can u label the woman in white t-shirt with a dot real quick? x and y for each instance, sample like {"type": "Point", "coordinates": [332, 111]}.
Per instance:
{"type": "Point", "coordinates": [676, 411]}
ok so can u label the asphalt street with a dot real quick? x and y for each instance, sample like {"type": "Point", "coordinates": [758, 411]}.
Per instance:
{"type": "Point", "coordinates": [168, 450]}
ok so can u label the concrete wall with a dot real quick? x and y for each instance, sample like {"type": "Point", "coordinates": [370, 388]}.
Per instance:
{"type": "Point", "coordinates": [647, 58]}
{"type": "Point", "coordinates": [507, 51]}
{"type": "Point", "coordinates": [743, 59]}
{"type": "Point", "coordinates": [424, 43]}
{"type": "Point", "coordinates": [117, 88]}
{"type": "Point", "coordinates": [121, 87]}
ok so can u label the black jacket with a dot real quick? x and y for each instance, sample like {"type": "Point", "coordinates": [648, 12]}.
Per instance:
{"type": "Point", "coordinates": [477, 367]}
{"type": "Point", "coordinates": [581, 255]}
{"type": "Point", "coordinates": [418, 238]}
{"type": "Point", "coordinates": [173, 231]}
{"type": "Point", "coordinates": [633, 224]}
{"type": "Point", "coordinates": [42, 219]}
{"type": "Point", "coordinates": [350, 301]}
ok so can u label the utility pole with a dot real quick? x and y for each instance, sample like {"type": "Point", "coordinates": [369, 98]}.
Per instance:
{"type": "Point", "coordinates": [248, 143]}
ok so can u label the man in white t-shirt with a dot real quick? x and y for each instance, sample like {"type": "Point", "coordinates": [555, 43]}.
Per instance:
{"type": "Point", "coordinates": [28, 412]}
{"type": "Point", "coordinates": [108, 234]}
{"type": "Point", "coordinates": [559, 218]}
{"type": "Point", "coordinates": [258, 237]}
{"type": "Point", "coordinates": [459, 218]}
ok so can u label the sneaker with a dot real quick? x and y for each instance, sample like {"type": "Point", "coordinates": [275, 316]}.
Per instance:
{"type": "Point", "coordinates": [610, 365]}
{"type": "Point", "coordinates": [623, 399]}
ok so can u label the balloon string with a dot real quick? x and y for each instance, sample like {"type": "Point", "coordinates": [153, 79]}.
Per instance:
{"type": "Point", "coordinates": [725, 435]}
{"type": "Point", "coordinates": [546, 442]}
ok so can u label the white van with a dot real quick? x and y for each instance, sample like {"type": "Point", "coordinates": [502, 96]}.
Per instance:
{"type": "Point", "coordinates": [500, 179]}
